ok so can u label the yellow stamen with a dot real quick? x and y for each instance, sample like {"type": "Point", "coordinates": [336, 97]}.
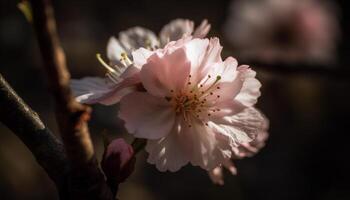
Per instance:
{"type": "Point", "coordinates": [109, 68]}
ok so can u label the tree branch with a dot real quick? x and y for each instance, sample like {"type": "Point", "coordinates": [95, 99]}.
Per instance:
{"type": "Point", "coordinates": [87, 181]}
{"type": "Point", "coordinates": [26, 124]}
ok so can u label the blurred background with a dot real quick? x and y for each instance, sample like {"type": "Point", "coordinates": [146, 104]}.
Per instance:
{"type": "Point", "coordinates": [299, 48]}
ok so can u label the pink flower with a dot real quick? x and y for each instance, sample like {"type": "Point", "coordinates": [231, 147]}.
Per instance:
{"type": "Point", "coordinates": [288, 31]}
{"type": "Point", "coordinates": [123, 68]}
{"type": "Point", "coordinates": [244, 150]}
{"type": "Point", "coordinates": [196, 109]}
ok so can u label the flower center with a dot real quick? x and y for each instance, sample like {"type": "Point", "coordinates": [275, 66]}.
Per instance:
{"type": "Point", "coordinates": [196, 101]}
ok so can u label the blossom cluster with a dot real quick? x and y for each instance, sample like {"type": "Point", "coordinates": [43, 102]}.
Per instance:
{"type": "Point", "coordinates": [176, 91]}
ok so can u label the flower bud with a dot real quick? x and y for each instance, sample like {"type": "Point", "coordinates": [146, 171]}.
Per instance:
{"type": "Point", "coordinates": [118, 161]}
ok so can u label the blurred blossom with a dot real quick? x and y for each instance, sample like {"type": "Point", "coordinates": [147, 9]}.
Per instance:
{"type": "Point", "coordinates": [283, 30]}
{"type": "Point", "coordinates": [196, 108]}
{"type": "Point", "coordinates": [244, 150]}
{"type": "Point", "coordinates": [123, 68]}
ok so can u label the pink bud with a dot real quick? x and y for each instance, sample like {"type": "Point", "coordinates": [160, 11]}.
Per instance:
{"type": "Point", "coordinates": [118, 161]}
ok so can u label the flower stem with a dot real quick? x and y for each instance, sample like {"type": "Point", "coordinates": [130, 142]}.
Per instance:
{"type": "Point", "coordinates": [138, 144]}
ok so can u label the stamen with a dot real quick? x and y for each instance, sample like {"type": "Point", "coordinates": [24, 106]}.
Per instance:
{"type": "Point", "coordinates": [109, 68]}
{"type": "Point", "coordinates": [126, 58]}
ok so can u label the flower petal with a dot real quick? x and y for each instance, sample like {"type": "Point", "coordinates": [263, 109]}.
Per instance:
{"type": "Point", "coordinates": [92, 90]}
{"type": "Point", "coordinates": [253, 147]}
{"type": "Point", "coordinates": [146, 116]}
{"type": "Point", "coordinates": [166, 153]}
{"type": "Point", "coordinates": [163, 73]}
{"type": "Point", "coordinates": [175, 30]}
{"type": "Point", "coordinates": [114, 50]}
{"type": "Point", "coordinates": [250, 91]}
{"type": "Point", "coordinates": [202, 30]}
{"type": "Point", "coordinates": [225, 81]}
{"type": "Point", "coordinates": [202, 146]}
{"type": "Point", "coordinates": [211, 55]}
{"type": "Point", "coordinates": [217, 176]}
{"type": "Point", "coordinates": [196, 53]}
{"type": "Point", "coordinates": [137, 37]}
{"type": "Point", "coordinates": [140, 57]}
{"type": "Point", "coordinates": [239, 128]}
{"type": "Point", "coordinates": [89, 89]}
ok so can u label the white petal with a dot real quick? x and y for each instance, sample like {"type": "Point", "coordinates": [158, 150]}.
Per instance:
{"type": "Point", "coordinates": [137, 37]}
{"type": "Point", "coordinates": [114, 50]}
{"type": "Point", "coordinates": [175, 30]}
{"type": "Point", "coordinates": [202, 30]}
{"type": "Point", "coordinates": [90, 89]}
{"type": "Point", "coordinates": [140, 57]}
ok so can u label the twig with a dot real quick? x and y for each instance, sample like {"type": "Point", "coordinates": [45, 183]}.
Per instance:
{"type": "Point", "coordinates": [26, 124]}
{"type": "Point", "coordinates": [87, 181]}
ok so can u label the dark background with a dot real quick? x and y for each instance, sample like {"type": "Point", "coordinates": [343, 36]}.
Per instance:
{"type": "Point", "coordinates": [305, 157]}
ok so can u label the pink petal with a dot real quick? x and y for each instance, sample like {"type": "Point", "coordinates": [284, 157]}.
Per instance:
{"type": "Point", "coordinates": [146, 116]}
{"type": "Point", "coordinates": [238, 128]}
{"type": "Point", "coordinates": [160, 75]}
{"type": "Point", "coordinates": [230, 82]}
{"type": "Point", "coordinates": [253, 147]}
{"type": "Point", "coordinates": [211, 57]}
{"type": "Point", "coordinates": [196, 53]}
{"type": "Point", "coordinates": [250, 91]}
{"type": "Point", "coordinates": [202, 147]}
{"type": "Point", "coordinates": [166, 153]}
{"type": "Point", "coordinates": [213, 54]}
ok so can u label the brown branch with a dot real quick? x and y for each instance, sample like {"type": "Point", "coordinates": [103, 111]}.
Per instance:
{"type": "Point", "coordinates": [87, 181]}
{"type": "Point", "coordinates": [26, 124]}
